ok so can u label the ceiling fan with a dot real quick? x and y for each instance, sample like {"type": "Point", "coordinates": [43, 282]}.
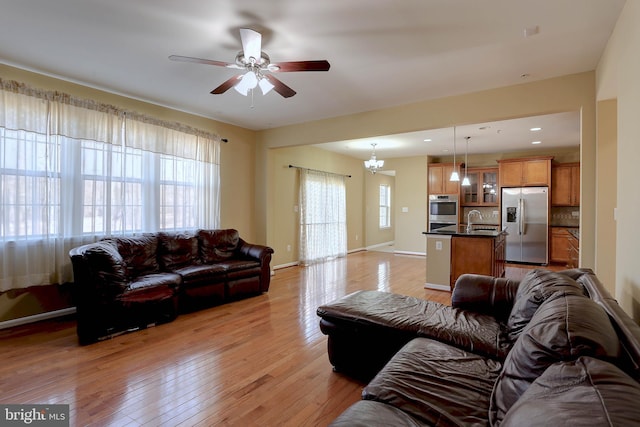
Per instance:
{"type": "Point", "coordinates": [257, 67]}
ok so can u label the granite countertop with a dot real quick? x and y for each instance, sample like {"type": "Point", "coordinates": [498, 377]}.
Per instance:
{"type": "Point", "coordinates": [478, 231]}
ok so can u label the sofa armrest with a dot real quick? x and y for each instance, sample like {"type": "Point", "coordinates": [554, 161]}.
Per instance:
{"type": "Point", "coordinates": [261, 254]}
{"type": "Point", "coordinates": [258, 252]}
{"type": "Point", "coordinates": [485, 294]}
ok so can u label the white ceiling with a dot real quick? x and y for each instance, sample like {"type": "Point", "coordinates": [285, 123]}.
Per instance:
{"type": "Point", "coordinates": [382, 53]}
{"type": "Point", "coordinates": [561, 130]}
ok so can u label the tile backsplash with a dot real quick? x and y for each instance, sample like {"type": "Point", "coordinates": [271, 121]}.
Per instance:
{"type": "Point", "coordinates": [490, 215]}
{"type": "Point", "coordinates": [565, 216]}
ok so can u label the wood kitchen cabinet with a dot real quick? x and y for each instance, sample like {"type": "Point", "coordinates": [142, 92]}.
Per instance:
{"type": "Point", "coordinates": [477, 255]}
{"type": "Point", "coordinates": [525, 172]}
{"type": "Point", "coordinates": [574, 252]}
{"type": "Point", "coordinates": [483, 190]}
{"type": "Point", "coordinates": [565, 184]}
{"type": "Point", "coordinates": [439, 174]}
{"type": "Point", "coordinates": [565, 247]}
{"type": "Point", "coordinates": [560, 245]}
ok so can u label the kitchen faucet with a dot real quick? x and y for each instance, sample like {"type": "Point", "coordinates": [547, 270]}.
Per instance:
{"type": "Point", "coordinates": [471, 212]}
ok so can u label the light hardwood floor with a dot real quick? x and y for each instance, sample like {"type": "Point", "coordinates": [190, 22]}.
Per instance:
{"type": "Point", "coordinates": [256, 362]}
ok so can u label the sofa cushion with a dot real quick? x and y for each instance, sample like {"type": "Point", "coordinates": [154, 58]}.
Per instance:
{"type": "Point", "coordinates": [177, 250]}
{"type": "Point", "coordinates": [586, 392]}
{"type": "Point", "coordinates": [150, 287]}
{"type": "Point", "coordinates": [564, 328]}
{"type": "Point", "coordinates": [407, 315]}
{"type": "Point", "coordinates": [367, 413]}
{"type": "Point", "coordinates": [437, 383]}
{"type": "Point", "coordinates": [202, 273]}
{"type": "Point", "coordinates": [140, 254]}
{"type": "Point", "coordinates": [535, 287]}
{"type": "Point", "coordinates": [217, 245]}
{"type": "Point", "coordinates": [232, 265]}
{"type": "Point", "coordinates": [108, 265]}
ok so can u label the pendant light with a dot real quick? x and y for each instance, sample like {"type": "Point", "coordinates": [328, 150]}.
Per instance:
{"type": "Point", "coordinates": [466, 181]}
{"type": "Point", "coordinates": [373, 165]}
{"type": "Point", "coordinates": [454, 175]}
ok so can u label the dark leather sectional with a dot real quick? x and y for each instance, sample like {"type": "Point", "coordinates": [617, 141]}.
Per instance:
{"type": "Point", "coordinates": [553, 349]}
{"type": "Point", "coordinates": [125, 283]}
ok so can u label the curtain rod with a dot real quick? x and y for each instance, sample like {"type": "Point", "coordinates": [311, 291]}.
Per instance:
{"type": "Point", "coordinates": [316, 170]}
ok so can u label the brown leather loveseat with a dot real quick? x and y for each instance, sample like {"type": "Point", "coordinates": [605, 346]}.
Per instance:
{"type": "Point", "coordinates": [125, 283]}
{"type": "Point", "coordinates": [553, 349]}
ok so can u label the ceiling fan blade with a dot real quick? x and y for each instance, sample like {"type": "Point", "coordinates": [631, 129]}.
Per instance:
{"type": "Point", "coordinates": [251, 43]}
{"type": "Point", "coordinates": [321, 65]}
{"type": "Point", "coordinates": [202, 61]}
{"type": "Point", "coordinates": [280, 87]}
{"type": "Point", "coordinates": [227, 85]}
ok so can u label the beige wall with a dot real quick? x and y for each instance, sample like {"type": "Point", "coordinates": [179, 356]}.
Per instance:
{"type": "Point", "coordinates": [283, 218]}
{"type": "Point", "coordinates": [606, 198]}
{"type": "Point", "coordinates": [411, 193]}
{"type": "Point", "coordinates": [238, 178]}
{"type": "Point", "coordinates": [568, 93]}
{"type": "Point", "coordinates": [617, 77]}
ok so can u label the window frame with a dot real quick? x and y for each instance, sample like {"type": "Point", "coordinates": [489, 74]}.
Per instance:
{"type": "Point", "coordinates": [384, 206]}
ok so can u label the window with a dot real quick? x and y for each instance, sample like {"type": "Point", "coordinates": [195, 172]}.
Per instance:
{"type": "Point", "coordinates": [323, 216]}
{"type": "Point", "coordinates": [385, 206]}
{"type": "Point", "coordinates": [29, 184]}
{"type": "Point", "coordinates": [74, 172]}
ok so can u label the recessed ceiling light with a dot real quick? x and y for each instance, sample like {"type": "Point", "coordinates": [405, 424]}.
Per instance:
{"type": "Point", "coordinates": [535, 129]}
{"type": "Point", "coordinates": [427, 140]}
{"type": "Point", "coordinates": [536, 142]}
{"type": "Point", "coordinates": [446, 150]}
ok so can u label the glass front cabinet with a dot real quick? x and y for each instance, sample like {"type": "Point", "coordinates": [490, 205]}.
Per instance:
{"type": "Point", "coordinates": [483, 190]}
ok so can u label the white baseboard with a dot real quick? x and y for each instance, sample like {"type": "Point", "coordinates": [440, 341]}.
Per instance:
{"type": "Point", "coordinates": [356, 250]}
{"type": "Point", "coordinates": [437, 287]}
{"type": "Point", "coordinates": [289, 264]}
{"type": "Point", "coordinates": [379, 245]}
{"type": "Point", "coordinates": [36, 318]}
{"type": "Point", "coordinates": [410, 253]}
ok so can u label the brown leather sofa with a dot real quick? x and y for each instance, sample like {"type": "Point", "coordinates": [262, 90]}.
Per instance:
{"type": "Point", "coordinates": [552, 349]}
{"type": "Point", "coordinates": [126, 283]}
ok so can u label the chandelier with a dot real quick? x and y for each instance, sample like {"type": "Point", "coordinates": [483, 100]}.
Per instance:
{"type": "Point", "coordinates": [373, 164]}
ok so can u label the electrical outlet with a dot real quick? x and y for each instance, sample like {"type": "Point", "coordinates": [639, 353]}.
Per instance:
{"type": "Point", "coordinates": [288, 248]}
{"type": "Point", "coordinates": [438, 245]}
{"type": "Point", "coordinates": [356, 237]}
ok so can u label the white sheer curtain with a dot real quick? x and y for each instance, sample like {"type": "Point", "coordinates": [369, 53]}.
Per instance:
{"type": "Point", "coordinates": [73, 171]}
{"type": "Point", "coordinates": [323, 216]}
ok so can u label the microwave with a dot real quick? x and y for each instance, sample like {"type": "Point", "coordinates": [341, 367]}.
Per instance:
{"type": "Point", "coordinates": [443, 208]}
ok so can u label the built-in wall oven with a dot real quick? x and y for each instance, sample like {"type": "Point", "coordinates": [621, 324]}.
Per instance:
{"type": "Point", "coordinates": [443, 211]}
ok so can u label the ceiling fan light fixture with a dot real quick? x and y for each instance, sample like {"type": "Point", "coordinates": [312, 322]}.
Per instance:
{"type": "Point", "coordinates": [265, 86]}
{"type": "Point", "coordinates": [249, 81]}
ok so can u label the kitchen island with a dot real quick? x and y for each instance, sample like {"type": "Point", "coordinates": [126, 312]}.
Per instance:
{"type": "Point", "coordinates": [452, 251]}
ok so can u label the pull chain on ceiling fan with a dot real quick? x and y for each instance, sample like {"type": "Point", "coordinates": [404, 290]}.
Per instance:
{"type": "Point", "coordinates": [257, 68]}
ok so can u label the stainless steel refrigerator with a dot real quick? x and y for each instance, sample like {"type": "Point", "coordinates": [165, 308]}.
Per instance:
{"type": "Point", "coordinates": [525, 218]}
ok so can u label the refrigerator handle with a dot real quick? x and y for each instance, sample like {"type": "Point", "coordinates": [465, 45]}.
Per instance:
{"type": "Point", "coordinates": [522, 216]}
